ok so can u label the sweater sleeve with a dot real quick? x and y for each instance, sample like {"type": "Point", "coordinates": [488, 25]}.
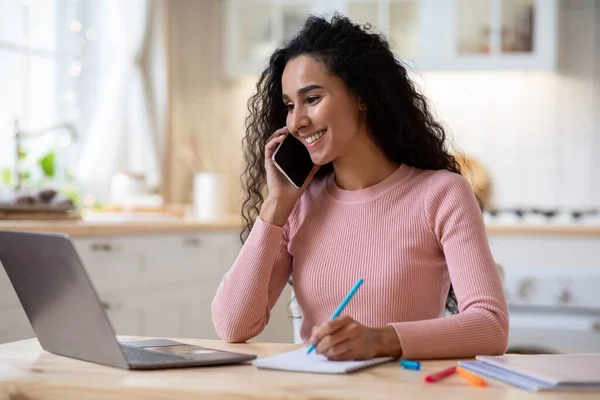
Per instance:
{"type": "Point", "coordinates": [481, 326]}
{"type": "Point", "coordinates": [249, 290]}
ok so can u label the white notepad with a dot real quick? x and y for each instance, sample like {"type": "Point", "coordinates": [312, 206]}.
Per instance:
{"type": "Point", "coordinates": [299, 361]}
{"type": "Point", "coordinates": [541, 372]}
{"type": "Point", "coordinates": [552, 369]}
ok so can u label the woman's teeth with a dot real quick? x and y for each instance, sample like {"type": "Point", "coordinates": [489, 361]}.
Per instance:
{"type": "Point", "coordinates": [316, 136]}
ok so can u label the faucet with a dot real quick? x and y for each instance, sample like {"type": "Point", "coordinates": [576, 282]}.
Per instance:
{"type": "Point", "coordinates": [21, 134]}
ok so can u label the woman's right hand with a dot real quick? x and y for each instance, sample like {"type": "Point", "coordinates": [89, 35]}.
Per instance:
{"type": "Point", "coordinates": [282, 195]}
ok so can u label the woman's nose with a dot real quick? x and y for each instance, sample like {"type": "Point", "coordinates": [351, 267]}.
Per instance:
{"type": "Point", "coordinates": [298, 120]}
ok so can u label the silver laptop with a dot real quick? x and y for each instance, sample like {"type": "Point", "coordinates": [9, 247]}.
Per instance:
{"type": "Point", "coordinates": [66, 314]}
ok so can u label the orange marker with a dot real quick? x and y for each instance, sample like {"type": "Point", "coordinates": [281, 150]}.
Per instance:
{"type": "Point", "coordinates": [474, 380]}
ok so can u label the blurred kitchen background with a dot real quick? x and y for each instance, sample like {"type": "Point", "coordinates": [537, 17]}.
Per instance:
{"type": "Point", "coordinates": [116, 113]}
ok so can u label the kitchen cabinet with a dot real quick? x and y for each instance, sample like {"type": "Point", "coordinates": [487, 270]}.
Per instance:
{"type": "Point", "coordinates": [497, 35]}
{"type": "Point", "coordinates": [13, 322]}
{"type": "Point", "coordinates": [153, 285]}
{"type": "Point", "coordinates": [425, 34]}
{"type": "Point", "coordinates": [253, 29]}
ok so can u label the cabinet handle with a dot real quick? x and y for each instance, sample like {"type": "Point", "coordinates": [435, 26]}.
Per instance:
{"type": "Point", "coordinates": [106, 247]}
{"type": "Point", "coordinates": [107, 305]}
{"type": "Point", "coordinates": [192, 242]}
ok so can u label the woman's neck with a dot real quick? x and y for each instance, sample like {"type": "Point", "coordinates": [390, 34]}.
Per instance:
{"type": "Point", "coordinates": [362, 165]}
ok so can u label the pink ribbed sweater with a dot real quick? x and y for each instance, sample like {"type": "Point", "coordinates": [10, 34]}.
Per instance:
{"type": "Point", "coordinates": [407, 237]}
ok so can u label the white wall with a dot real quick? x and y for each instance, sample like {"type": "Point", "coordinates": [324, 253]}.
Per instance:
{"type": "Point", "coordinates": [538, 133]}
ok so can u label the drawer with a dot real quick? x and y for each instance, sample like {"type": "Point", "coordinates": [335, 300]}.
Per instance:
{"type": "Point", "coordinates": [182, 258]}
{"type": "Point", "coordinates": [14, 323]}
{"type": "Point", "coordinates": [112, 263]}
{"type": "Point", "coordinates": [229, 247]}
{"type": "Point", "coordinates": [8, 297]}
{"type": "Point", "coordinates": [15, 335]}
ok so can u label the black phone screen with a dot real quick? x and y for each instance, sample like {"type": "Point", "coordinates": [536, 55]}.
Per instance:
{"type": "Point", "coordinates": [293, 160]}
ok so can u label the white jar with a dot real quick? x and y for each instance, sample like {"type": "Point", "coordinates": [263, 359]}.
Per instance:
{"type": "Point", "coordinates": [211, 196]}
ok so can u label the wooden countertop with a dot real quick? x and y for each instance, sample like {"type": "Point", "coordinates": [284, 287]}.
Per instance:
{"type": "Point", "coordinates": [544, 230]}
{"type": "Point", "coordinates": [27, 372]}
{"type": "Point", "coordinates": [89, 228]}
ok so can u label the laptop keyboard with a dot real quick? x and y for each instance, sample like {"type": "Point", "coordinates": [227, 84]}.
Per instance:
{"type": "Point", "coordinates": [135, 355]}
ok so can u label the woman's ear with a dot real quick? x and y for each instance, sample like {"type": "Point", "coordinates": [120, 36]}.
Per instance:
{"type": "Point", "coordinates": [362, 105]}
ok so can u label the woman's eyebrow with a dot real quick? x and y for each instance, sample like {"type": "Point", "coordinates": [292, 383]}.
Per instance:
{"type": "Point", "coordinates": [303, 90]}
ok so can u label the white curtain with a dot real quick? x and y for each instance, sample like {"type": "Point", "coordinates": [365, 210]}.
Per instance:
{"type": "Point", "coordinates": [123, 133]}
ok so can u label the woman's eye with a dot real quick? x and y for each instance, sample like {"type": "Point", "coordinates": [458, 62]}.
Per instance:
{"type": "Point", "coordinates": [290, 107]}
{"type": "Point", "coordinates": [313, 99]}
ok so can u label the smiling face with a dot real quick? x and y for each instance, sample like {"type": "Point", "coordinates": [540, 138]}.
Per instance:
{"type": "Point", "coordinates": [322, 112]}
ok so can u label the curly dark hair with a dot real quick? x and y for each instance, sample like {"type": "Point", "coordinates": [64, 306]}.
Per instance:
{"type": "Point", "coordinates": [398, 116]}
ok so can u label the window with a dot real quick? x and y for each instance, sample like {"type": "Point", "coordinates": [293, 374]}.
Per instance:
{"type": "Point", "coordinates": [48, 53]}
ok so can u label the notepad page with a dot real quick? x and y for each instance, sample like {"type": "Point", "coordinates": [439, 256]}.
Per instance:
{"type": "Point", "coordinates": [299, 361]}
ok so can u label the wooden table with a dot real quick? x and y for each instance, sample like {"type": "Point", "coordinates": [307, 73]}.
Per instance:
{"type": "Point", "coordinates": [28, 373]}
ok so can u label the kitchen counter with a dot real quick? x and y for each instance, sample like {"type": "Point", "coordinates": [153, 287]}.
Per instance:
{"type": "Point", "coordinates": [28, 372]}
{"type": "Point", "coordinates": [92, 228]}
{"type": "Point", "coordinates": [541, 230]}
{"type": "Point", "coordinates": [80, 228]}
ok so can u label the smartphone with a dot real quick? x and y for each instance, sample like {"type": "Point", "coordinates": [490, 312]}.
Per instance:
{"type": "Point", "coordinates": [292, 158]}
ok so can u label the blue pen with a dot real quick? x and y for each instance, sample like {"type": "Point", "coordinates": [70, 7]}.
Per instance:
{"type": "Point", "coordinates": [341, 307]}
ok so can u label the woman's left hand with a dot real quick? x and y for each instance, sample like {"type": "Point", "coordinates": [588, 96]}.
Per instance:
{"type": "Point", "coordinates": [345, 339]}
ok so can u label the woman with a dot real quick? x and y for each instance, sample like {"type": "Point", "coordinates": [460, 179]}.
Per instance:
{"type": "Point", "coordinates": [385, 202]}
